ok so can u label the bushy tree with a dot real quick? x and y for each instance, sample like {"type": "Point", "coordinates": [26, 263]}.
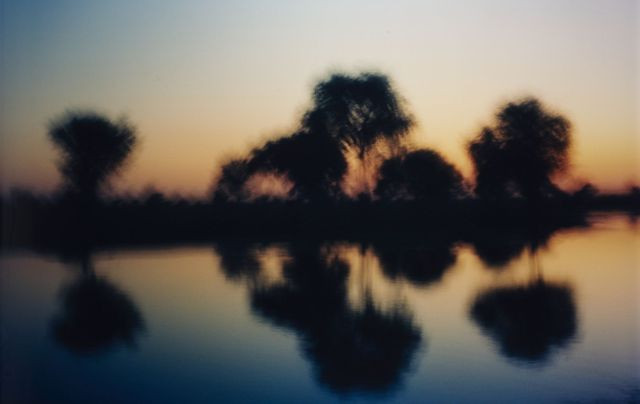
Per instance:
{"type": "Point", "coordinates": [359, 112]}
{"type": "Point", "coordinates": [349, 113]}
{"type": "Point", "coordinates": [312, 161]}
{"type": "Point", "coordinates": [229, 186]}
{"type": "Point", "coordinates": [92, 149]}
{"type": "Point", "coordinates": [526, 146]}
{"type": "Point", "coordinates": [419, 175]}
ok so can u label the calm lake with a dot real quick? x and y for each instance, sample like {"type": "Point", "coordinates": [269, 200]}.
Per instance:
{"type": "Point", "coordinates": [400, 320]}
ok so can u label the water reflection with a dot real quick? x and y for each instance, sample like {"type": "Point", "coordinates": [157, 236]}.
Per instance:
{"type": "Point", "coordinates": [497, 247]}
{"type": "Point", "coordinates": [320, 321]}
{"type": "Point", "coordinates": [95, 315]}
{"type": "Point", "coordinates": [365, 350]}
{"type": "Point", "coordinates": [238, 259]}
{"type": "Point", "coordinates": [353, 347]}
{"type": "Point", "coordinates": [496, 253]}
{"type": "Point", "coordinates": [528, 322]}
{"type": "Point", "coordinates": [419, 262]}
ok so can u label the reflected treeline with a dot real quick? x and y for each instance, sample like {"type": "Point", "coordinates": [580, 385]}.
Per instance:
{"type": "Point", "coordinates": [498, 246]}
{"type": "Point", "coordinates": [95, 315]}
{"type": "Point", "coordinates": [418, 261]}
{"type": "Point", "coordinates": [527, 322]}
{"type": "Point", "coordinates": [530, 321]}
{"type": "Point", "coordinates": [497, 253]}
{"type": "Point", "coordinates": [238, 259]}
{"type": "Point", "coordinates": [354, 347]}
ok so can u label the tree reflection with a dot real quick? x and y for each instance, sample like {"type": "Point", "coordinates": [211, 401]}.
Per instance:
{"type": "Point", "coordinates": [497, 252]}
{"type": "Point", "coordinates": [363, 349]}
{"type": "Point", "coordinates": [95, 315]}
{"type": "Point", "coordinates": [238, 259]}
{"type": "Point", "coordinates": [497, 246]}
{"type": "Point", "coordinates": [528, 322]}
{"type": "Point", "coordinates": [313, 288]}
{"type": "Point", "coordinates": [421, 263]}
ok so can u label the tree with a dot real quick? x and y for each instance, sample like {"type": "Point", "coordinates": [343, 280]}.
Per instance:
{"type": "Point", "coordinates": [359, 112]}
{"type": "Point", "coordinates": [419, 175]}
{"type": "Point", "coordinates": [229, 186]}
{"type": "Point", "coordinates": [526, 146]}
{"type": "Point", "coordinates": [490, 166]}
{"type": "Point", "coordinates": [92, 148]}
{"type": "Point", "coordinates": [348, 114]}
{"type": "Point", "coordinates": [312, 161]}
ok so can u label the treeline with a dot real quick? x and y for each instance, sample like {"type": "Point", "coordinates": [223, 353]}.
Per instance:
{"type": "Point", "coordinates": [357, 127]}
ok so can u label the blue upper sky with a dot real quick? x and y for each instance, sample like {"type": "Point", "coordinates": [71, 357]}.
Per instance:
{"type": "Point", "coordinates": [203, 79]}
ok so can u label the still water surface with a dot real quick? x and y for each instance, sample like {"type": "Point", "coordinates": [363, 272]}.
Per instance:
{"type": "Point", "coordinates": [400, 320]}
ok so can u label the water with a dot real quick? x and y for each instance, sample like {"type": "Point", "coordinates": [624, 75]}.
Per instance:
{"type": "Point", "coordinates": [401, 320]}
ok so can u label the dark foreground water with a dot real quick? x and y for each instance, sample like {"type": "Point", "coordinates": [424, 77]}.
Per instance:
{"type": "Point", "coordinates": [497, 320]}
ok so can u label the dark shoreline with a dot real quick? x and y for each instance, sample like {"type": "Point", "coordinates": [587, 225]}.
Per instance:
{"type": "Point", "coordinates": [54, 224]}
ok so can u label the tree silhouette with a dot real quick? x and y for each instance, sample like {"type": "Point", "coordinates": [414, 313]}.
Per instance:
{"type": "Point", "coordinates": [490, 165]}
{"type": "Point", "coordinates": [311, 160]}
{"type": "Point", "coordinates": [359, 112]}
{"type": "Point", "coordinates": [526, 146]}
{"type": "Point", "coordinates": [229, 186]}
{"type": "Point", "coordinates": [348, 113]}
{"type": "Point", "coordinates": [586, 193]}
{"type": "Point", "coordinates": [92, 149]}
{"type": "Point", "coordinates": [421, 174]}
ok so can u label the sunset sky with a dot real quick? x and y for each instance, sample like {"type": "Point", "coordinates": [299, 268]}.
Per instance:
{"type": "Point", "coordinates": [205, 80]}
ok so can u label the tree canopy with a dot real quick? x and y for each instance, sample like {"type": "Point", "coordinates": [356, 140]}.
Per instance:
{"type": "Point", "coordinates": [526, 146]}
{"type": "Point", "coordinates": [358, 111]}
{"type": "Point", "coordinates": [348, 113]}
{"type": "Point", "coordinates": [92, 149]}
{"type": "Point", "coordinates": [229, 186]}
{"type": "Point", "coordinates": [419, 175]}
{"type": "Point", "coordinates": [361, 117]}
{"type": "Point", "coordinates": [312, 161]}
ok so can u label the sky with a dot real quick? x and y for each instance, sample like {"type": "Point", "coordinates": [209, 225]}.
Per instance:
{"type": "Point", "coordinates": [203, 81]}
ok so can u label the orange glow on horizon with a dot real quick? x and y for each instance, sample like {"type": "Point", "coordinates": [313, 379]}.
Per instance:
{"type": "Point", "coordinates": [200, 86]}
